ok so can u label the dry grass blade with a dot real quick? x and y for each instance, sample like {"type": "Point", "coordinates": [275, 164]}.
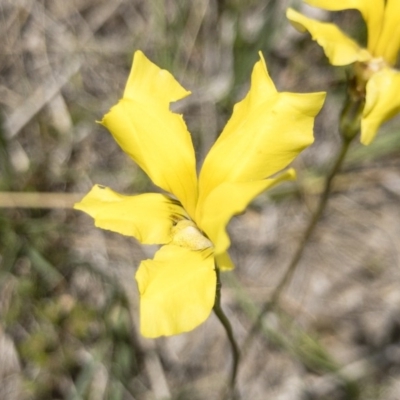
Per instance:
{"type": "Point", "coordinates": [38, 200]}
{"type": "Point", "coordinates": [156, 376]}
{"type": "Point", "coordinates": [23, 114]}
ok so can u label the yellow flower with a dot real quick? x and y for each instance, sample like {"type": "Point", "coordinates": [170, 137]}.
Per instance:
{"type": "Point", "coordinates": [378, 80]}
{"type": "Point", "coordinates": [265, 133]}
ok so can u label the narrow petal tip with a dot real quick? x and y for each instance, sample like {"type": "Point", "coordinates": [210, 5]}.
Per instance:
{"type": "Point", "coordinates": [338, 47]}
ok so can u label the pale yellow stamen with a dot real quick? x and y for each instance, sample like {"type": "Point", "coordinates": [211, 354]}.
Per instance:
{"type": "Point", "coordinates": [365, 70]}
{"type": "Point", "coordinates": [186, 234]}
{"type": "Point", "coordinates": [376, 64]}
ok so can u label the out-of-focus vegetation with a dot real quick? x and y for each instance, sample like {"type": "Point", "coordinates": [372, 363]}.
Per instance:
{"type": "Point", "coordinates": [68, 300]}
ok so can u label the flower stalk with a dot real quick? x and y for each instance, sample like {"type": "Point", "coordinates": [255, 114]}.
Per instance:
{"type": "Point", "coordinates": [349, 127]}
{"type": "Point", "coordinates": [229, 331]}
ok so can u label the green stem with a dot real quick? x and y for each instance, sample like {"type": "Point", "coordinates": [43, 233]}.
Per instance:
{"type": "Point", "coordinates": [349, 128]}
{"type": "Point", "coordinates": [312, 224]}
{"type": "Point", "coordinates": [229, 332]}
{"type": "Point", "coordinates": [303, 243]}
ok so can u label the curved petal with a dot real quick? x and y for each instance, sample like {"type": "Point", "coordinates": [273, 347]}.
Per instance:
{"type": "Point", "coordinates": [151, 134]}
{"type": "Point", "coordinates": [371, 10]}
{"type": "Point", "coordinates": [230, 199]}
{"type": "Point", "coordinates": [177, 290]}
{"type": "Point", "coordinates": [265, 133]}
{"type": "Point", "coordinates": [382, 102]}
{"type": "Point", "coordinates": [389, 40]}
{"type": "Point", "coordinates": [338, 47]}
{"type": "Point", "coordinates": [147, 217]}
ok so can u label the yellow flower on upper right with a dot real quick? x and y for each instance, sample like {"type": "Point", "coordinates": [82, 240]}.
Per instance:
{"type": "Point", "coordinates": [377, 79]}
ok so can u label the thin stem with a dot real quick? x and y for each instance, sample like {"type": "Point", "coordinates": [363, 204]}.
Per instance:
{"type": "Point", "coordinates": [303, 243]}
{"type": "Point", "coordinates": [229, 332]}
{"type": "Point", "coordinates": [312, 224]}
{"type": "Point", "coordinates": [349, 127]}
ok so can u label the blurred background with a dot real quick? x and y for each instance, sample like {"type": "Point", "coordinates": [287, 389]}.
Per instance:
{"type": "Point", "coordinates": [68, 299]}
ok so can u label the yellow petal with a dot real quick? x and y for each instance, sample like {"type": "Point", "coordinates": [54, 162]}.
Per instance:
{"type": "Point", "coordinates": [177, 290]}
{"type": "Point", "coordinates": [382, 102]}
{"type": "Point", "coordinates": [224, 262]}
{"type": "Point", "coordinates": [266, 132]}
{"type": "Point", "coordinates": [147, 217]}
{"type": "Point", "coordinates": [151, 134]}
{"type": "Point", "coordinates": [227, 200]}
{"type": "Point", "coordinates": [371, 10]}
{"type": "Point", "coordinates": [389, 40]}
{"type": "Point", "coordinates": [338, 47]}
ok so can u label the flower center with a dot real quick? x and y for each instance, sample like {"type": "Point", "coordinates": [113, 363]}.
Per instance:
{"type": "Point", "coordinates": [186, 234]}
{"type": "Point", "coordinates": [376, 64]}
{"type": "Point", "coordinates": [364, 70]}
